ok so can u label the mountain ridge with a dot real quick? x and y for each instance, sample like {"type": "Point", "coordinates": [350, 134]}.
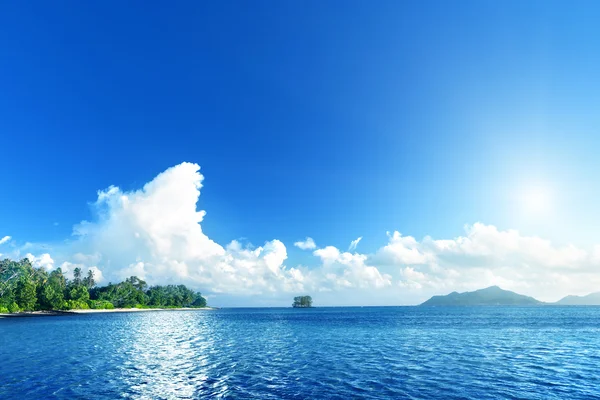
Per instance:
{"type": "Point", "coordinates": [496, 296]}
{"type": "Point", "coordinates": [490, 296]}
{"type": "Point", "coordinates": [592, 299]}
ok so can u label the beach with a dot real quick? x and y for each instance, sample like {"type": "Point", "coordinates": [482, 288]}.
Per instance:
{"type": "Point", "coordinates": [94, 311]}
{"type": "Point", "coordinates": [119, 310]}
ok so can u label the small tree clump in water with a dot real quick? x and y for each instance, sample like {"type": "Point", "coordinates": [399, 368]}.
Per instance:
{"type": "Point", "coordinates": [302, 302]}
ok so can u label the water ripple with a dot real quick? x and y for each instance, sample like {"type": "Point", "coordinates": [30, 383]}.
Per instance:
{"type": "Point", "coordinates": [328, 353]}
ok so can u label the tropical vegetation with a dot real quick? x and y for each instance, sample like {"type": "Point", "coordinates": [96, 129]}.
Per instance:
{"type": "Point", "coordinates": [25, 288]}
{"type": "Point", "coordinates": [302, 302]}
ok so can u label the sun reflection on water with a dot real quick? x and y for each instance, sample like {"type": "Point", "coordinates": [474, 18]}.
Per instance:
{"type": "Point", "coordinates": [169, 355]}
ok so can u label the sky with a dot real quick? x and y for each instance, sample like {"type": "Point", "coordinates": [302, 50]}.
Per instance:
{"type": "Point", "coordinates": [365, 154]}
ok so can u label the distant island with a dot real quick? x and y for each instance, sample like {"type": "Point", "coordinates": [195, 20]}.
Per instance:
{"type": "Point", "coordinates": [302, 302]}
{"type": "Point", "coordinates": [495, 296]}
{"type": "Point", "coordinates": [491, 296]}
{"type": "Point", "coordinates": [592, 299]}
{"type": "Point", "coordinates": [24, 288]}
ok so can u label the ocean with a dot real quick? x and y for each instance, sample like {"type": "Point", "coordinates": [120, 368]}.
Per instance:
{"type": "Point", "coordinates": [319, 353]}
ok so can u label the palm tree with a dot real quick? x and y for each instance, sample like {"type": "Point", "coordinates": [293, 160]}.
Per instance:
{"type": "Point", "coordinates": [77, 276]}
{"type": "Point", "coordinates": [89, 281]}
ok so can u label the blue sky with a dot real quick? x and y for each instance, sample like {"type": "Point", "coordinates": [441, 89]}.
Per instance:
{"type": "Point", "coordinates": [333, 120]}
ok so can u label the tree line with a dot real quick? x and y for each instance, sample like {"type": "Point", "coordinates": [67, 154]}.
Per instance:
{"type": "Point", "coordinates": [25, 288]}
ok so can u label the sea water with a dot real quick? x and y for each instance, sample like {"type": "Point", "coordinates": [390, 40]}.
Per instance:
{"type": "Point", "coordinates": [320, 353]}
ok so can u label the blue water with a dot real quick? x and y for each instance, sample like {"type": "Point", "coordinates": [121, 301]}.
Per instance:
{"type": "Point", "coordinates": [337, 353]}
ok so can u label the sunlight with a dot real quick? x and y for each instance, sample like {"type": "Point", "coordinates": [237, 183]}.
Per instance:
{"type": "Point", "coordinates": [536, 200]}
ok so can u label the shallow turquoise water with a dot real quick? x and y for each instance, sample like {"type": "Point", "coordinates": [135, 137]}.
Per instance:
{"type": "Point", "coordinates": [337, 353]}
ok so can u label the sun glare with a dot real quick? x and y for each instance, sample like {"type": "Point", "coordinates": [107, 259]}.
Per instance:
{"type": "Point", "coordinates": [536, 200]}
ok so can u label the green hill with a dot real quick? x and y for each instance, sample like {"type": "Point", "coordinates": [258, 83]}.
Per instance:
{"type": "Point", "coordinates": [492, 296]}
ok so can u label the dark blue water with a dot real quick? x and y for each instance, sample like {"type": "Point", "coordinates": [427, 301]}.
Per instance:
{"type": "Point", "coordinates": [341, 353]}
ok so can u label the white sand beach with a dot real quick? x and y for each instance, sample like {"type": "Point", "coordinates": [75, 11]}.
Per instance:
{"type": "Point", "coordinates": [120, 310]}
{"type": "Point", "coordinates": [91, 311]}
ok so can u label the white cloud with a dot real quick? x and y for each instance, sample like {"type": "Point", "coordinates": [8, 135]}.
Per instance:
{"type": "Point", "coordinates": [156, 233]}
{"type": "Point", "coordinates": [44, 261]}
{"type": "Point", "coordinates": [5, 239]}
{"type": "Point", "coordinates": [488, 256]}
{"type": "Point", "coordinates": [308, 244]}
{"type": "Point", "coordinates": [411, 274]}
{"type": "Point", "coordinates": [354, 243]}
{"type": "Point", "coordinates": [328, 255]}
{"type": "Point", "coordinates": [404, 250]}
{"type": "Point", "coordinates": [488, 243]}
{"type": "Point", "coordinates": [350, 270]}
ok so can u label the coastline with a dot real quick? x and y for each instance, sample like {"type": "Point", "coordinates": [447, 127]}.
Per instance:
{"type": "Point", "coordinates": [95, 311]}
{"type": "Point", "coordinates": [122, 310]}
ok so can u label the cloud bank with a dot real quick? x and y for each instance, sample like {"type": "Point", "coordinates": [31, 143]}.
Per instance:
{"type": "Point", "coordinates": [156, 234]}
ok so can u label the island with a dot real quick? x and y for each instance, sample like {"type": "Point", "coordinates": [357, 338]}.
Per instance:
{"type": "Point", "coordinates": [302, 302]}
{"type": "Point", "coordinates": [36, 291]}
{"type": "Point", "coordinates": [491, 296]}
{"type": "Point", "coordinates": [592, 299]}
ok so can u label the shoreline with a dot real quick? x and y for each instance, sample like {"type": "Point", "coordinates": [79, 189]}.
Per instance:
{"type": "Point", "coordinates": [53, 313]}
{"type": "Point", "coordinates": [122, 310]}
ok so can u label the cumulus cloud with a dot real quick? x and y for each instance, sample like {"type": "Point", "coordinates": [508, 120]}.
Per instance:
{"type": "Point", "coordinates": [486, 242]}
{"type": "Point", "coordinates": [43, 261]}
{"type": "Point", "coordinates": [308, 244]}
{"type": "Point", "coordinates": [328, 255]}
{"type": "Point", "coordinates": [354, 243]}
{"type": "Point", "coordinates": [5, 239]}
{"type": "Point", "coordinates": [487, 256]}
{"type": "Point", "coordinates": [156, 233]}
{"type": "Point", "coordinates": [411, 274]}
{"type": "Point", "coordinates": [404, 250]}
{"type": "Point", "coordinates": [350, 270]}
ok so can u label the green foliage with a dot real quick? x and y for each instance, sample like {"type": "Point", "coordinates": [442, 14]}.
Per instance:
{"type": "Point", "coordinates": [58, 278]}
{"type": "Point", "coordinates": [126, 294]}
{"type": "Point", "coordinates": [199, 302]}
{"type": "Point", "coordinates": [25, 288]}
{"type": "Point", "coordinates": [89, 281]}
{"type": "Point", "coordinates": [79, 293]}
{"type": "Point", "coordinates": [3, 310]}
{"type": "Point", "coordinates": [77, 276]}
{"type": "Point", "coordinates": [77, 305]}
{"type": "Point", "coordinates": [13, 307]}
{"type": "Point", "coordinates": [176, 296]}
{"type": "Point", "coordinates": [52, 298]}
{"type": "Point", "coordinates": [101, 305]}
{"type": "Point", "coordinates": [302, 302]}
{"type": "Point", "coordinates": [25, 293]}
{"type": "Point", "coordinates": [137, 283]}
{"type": "Point", "coordinates": [132, 293]}
{"type": "Point", "coordinates": [52, 295]}
{"type": "Point", "coordinates": [11, 274]}
{"type": "Point", "coordinates": [40, 278]}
